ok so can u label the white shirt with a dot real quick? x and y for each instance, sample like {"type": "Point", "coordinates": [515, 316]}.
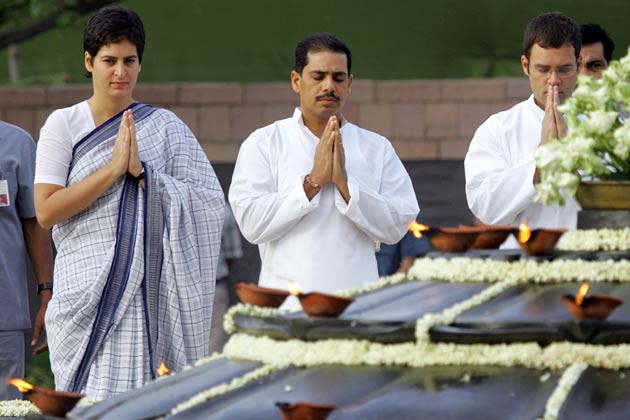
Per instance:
{"type": "Point", "coordinates": [323, 244]}
{"type": "Point", "coordinates": [63, 129]}
{"type": "Point", "coordinates": [500, 169]}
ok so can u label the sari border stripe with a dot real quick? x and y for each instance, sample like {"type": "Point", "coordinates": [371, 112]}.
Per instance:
{"type": "Point", "coordinates": [116, 280]}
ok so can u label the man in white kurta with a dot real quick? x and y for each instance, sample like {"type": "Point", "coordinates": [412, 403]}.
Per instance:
{"type": "Point", "coordinates": [312, 229]}
{"type": "Point", "coordinates": [500, 168]}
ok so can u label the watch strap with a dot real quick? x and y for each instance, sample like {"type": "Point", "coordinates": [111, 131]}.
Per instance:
{"type": "Point", "coordinates": [44, 286]}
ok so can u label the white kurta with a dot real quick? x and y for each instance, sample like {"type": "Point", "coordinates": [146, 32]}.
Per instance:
{"type": "Point", "coordinates": [500, 168]}
{"type": "Point", "coordinates": [325, 244]}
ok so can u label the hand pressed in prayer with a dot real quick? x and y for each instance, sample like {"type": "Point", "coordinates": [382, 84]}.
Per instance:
{"type": "Point", "coordinates": [553, 124]}
{"type": "Point", "coordinates": [339, 176]}
{"type": "Point", "coordinates": [135, 166]}
{"type": "Point", "coordinates": [120, 155]}
{"type": "Point", "coordinates": [321, 173]}
{"type": "Point", "coordinates": [561, 124]}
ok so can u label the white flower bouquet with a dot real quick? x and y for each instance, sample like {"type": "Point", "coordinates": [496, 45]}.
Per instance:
{"type": "Point", "coordinates": [597, 145]}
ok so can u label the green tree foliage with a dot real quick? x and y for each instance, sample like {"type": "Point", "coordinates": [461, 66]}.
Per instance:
{"type": "Point", "coordinates": [24, 19]}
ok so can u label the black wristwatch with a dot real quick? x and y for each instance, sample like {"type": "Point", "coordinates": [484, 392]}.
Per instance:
{"type": "Point", "coordinates": [44, 286]}
{"type": "Point", "coordinates": [140, 176]}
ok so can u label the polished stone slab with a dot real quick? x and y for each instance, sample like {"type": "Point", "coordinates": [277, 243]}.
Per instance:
{"type": "Point", "coordinates": [158, 398]}
{"type": "Point", "coordinates": [599, 394]}
{"type": "Point", "coordinates": [370, 392]}
{"type": "Point", "coordinates": [535, 312]}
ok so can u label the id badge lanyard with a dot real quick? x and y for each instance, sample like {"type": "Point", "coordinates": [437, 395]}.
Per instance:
{"type": "Point", "coordinates": [5, 198]}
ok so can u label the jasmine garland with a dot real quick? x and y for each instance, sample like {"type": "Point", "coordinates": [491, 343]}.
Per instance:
{"type": "Point", "coordinates": [596, 240]}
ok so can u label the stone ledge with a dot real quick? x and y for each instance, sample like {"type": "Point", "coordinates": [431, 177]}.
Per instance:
{"type": "Point", "coordinates": [210, 93]}
{"type": "Point", "coordinates": [68, 95]}
{"type": "Point", "coordinates": [269, 92]}
{"type": "Point", "coordinates": [22, 96]}
{"type": "Point", "coordinates": [474, 89]}
{"type": "Point", "coordinates": [408, 90]}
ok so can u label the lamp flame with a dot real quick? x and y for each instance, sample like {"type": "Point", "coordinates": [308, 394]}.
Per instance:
{"type": "Point", "coordinates": [21, 385]}
{"type": "Point", "coordinates": [524, 233]}
{"type": "Point", "coordinates": [417, 229]}
{"type": "Point", "coordinates": [163, 369]}
{"type": "Point", "coordinates": [579, 298]}
{"type": "Point", "coordinates": [294, 288]}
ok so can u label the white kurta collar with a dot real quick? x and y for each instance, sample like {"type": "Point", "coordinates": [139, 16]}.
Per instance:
{"type": "Point", "coordinates": [297, 117]}
{"type": "Point", "coordinates": [538, 112]}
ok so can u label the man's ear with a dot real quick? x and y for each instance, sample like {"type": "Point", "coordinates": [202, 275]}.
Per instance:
{"type": "Point", "coordinates": [295, 81]}
{"type": "Point", "coordinates": [525, 65]}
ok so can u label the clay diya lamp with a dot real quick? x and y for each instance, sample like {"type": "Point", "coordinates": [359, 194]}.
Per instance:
{"type": "Point", "coordinates": [304, 410]}
{"type": "Point", "coordinates": [490, 236]}
{"type": "Point", "coordinates": [538, 241]}
{"type": "Point", "coordinates": [322, 304]}
{"type": "Point", "coordinates": [452, 239]}
{"type": "Point", "coordinates": [260, 296]}
{"type": "Point", "coordinates": [596, 306]}
{"type": "Point", "coordinates": [50, 402]}
{"type": "Point", "coordinates": [319, 304]}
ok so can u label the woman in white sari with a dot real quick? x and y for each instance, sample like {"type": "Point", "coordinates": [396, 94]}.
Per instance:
{"type": "Point", "coordinates": [137, 213]}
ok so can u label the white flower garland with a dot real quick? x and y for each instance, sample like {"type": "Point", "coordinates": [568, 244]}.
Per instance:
{"type": "Point", "coordinates": [214, 356]}
{"type": "Point", "coordinates": [248, 310]}
{"type": "Point", "coordinates": [459, 270]}
{"type": "Point", "coordinates": [596, 240]}
{"type": "Point", "coordinates": [602, 356]}
{"type": "Point", "coordinates": [87, 402]}
{"type": "Point", "coordinates": [463, 269]}
{"type": "Point", "coordinates": [224, 388]}
{"type": "Point", "coordinates": [276, 354]}
{"type": "Point", "coordinates": [380, 283]}
{"type": "Point", "coordinates": [17, 408]}
{"type": "Point", "coordinates": [569, 377]}
{"type": "Point", "coordinates": [363, 352]}
{"type": "Point", "coordinates": [448, 315]}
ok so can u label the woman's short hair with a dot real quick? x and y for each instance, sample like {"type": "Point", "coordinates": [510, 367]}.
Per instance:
{"type": "Point", "coordinates": [110, 25]}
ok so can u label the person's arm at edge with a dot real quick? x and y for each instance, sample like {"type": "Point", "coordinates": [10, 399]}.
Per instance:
{"type": "Point", "coordinates": [37, 240]}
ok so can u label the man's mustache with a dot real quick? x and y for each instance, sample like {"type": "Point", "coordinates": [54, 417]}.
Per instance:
{"type": "Point", "coordinates": [327, 95]}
